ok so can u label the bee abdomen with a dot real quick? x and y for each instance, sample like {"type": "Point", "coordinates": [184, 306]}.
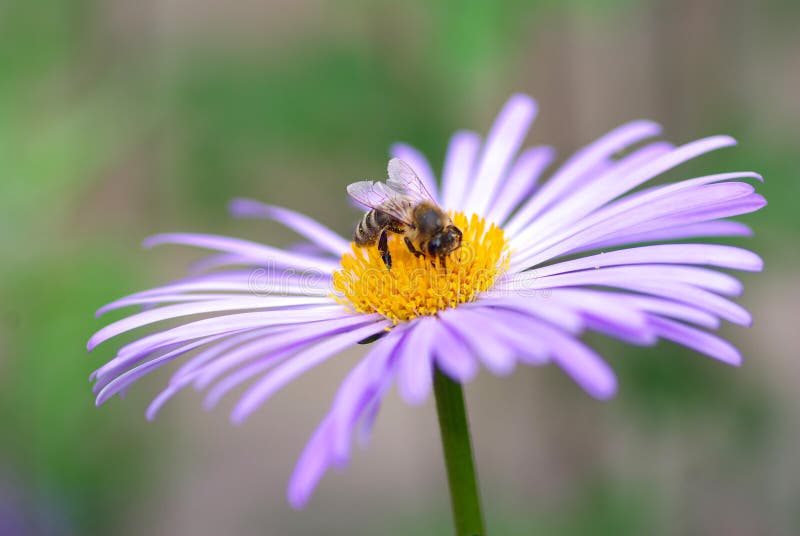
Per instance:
{"type": "Point", "coordinates": [369, 228]}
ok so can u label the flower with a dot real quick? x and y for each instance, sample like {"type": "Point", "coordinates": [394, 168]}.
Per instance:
{"type": "Point", "coordinates": [539, 265]}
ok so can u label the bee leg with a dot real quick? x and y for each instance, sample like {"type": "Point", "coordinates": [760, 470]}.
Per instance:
{"type": "Point", "coordinates": [383, 247]}
{"type": "Point", "coordinates": [411, 248]}
{"type": "Point", "coordinates": [443, 262]}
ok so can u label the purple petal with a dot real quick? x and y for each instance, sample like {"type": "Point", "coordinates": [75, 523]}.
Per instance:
{"type": "Point", "coordinates": [311, 332]}
{"type": "Point", "coordinates": [252, 251]}
{"type": "Point", "coordinates": [674, 290]}
{"type": "Point", "coordinates": [510, 327]}
{"type": "Point", "coordinates": [707, 254]}
{"type": "Point", "coordinates": [182, 298]}
{"type": "Point", "coordinates": [660, 306]}
{"type": "Point", "coordinates": [358, 395]}
{"type": "Point", "coordinates": [209, 306]}
{"type": "Point", "coordinates": [520, 299]}
{"type": "Point", "coordinates": [311, 466]}
{"type": "Point", "coordinates": [187, 372]}
{"type": "Point", "coordinates": [606, 314]}
{"type": "Point", "coordinates": [673, 230]}
{"type": "Point", "coordinates": [453, 357]}
{"type": "Point", "coordinates": [231, 323]}
{"type": "Point", "coordinates": [695, 339]}
{"type": "Point", "coordinates": [613, 184]}
{"type": "Point", "coordinates": [367, 421]}
{"type": "Point", "coordinates": [256, 281]}
{"type": "Point", "coordinates": [520, 182]}
{"type": "Point", "coordinates": [562, 182]}
{"type": "Point", "coordinates": [504, 140]}
{"type": "Point", "coordinates": [497, 355]}
{"type": "Point", "coordinates": [605, 223]}
{"type": "Point", "coordinates": [361, 390]}
{"type": "Point", "coordinates": [625, 217]}
{"type": "Point", "coordinates": [458, 168]}
{"type": "Point", "coordinates": [700, 277]}
{"type": "Point", "coordinates": [311, 229]}
{"type": "Point", "coordinates": [183, 376]}
{"type": "Point", "coordinates": [162, 299]}
{"type": "Point", "coordinates": [657, 192]}
{"type": "Point", "coordinates": [125, 360]}
{"type": "Point", "coordinates": [580, 362]}
{"type": "Point", "coordinates": [642, 211]}
{"type": "Point", "coordinates": [698, 297]}
{"type": "Point", "coordinates": [271, 346]}
{"type": "Point", "coordinates": [124, 380]}
{"type": "Point", "coordinates": [674, 223]}
{"type": "Point", "coordinates": [221, 260]}
{"type": "Point", "coordinates": [250, 371]}
{"type": "Point", "coordinates": [419, 164]}
{"type": "Point", "coordinates": [262, 390]}
{"type": "Point", "coordinates": [720, 209]}
{"type": "Point", "coordinates": [415, 361]}
{"type": "Point", "coordinates": [571, 208]}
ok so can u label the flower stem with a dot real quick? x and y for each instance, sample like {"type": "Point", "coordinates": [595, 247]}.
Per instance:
{"type": "Point", "coordinates": [457, 447]}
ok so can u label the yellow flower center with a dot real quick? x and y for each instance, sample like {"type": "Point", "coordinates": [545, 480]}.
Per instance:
{"type": "Point", "coordinates": [415, 286]}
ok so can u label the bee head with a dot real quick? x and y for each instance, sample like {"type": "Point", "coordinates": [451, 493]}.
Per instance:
{"type": "Point", "coordinates": [445, 242]}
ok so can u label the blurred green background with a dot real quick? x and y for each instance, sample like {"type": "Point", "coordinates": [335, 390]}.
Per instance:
{"type": "Point", "coordinates": [119, 119]}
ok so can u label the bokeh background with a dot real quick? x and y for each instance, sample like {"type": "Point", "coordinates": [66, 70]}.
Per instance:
{"type": "Point", "coordinates": [119, 119]}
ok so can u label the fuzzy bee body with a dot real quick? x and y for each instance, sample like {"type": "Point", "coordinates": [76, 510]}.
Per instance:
{"type": "Point", "coordinates": [371, 226]}
{"type": "Point", "coordinates": [403, 206]}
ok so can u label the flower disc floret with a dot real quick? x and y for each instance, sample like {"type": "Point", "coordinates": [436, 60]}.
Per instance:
{"type": "Point", "coordinates": [417, 286]}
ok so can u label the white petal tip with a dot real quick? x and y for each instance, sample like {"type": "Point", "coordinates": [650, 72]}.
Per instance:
{"type": "Point", "coordinates": [522, 99]}
{"type": "Point", "coordinates": [735, 361]}
{"type": "Point", "coordinates": [397, 148]}
{"type": "Point", "coordinates": [210, 402]}
{"type": "Point", "coordinates": [297, 500]}
{"type": "Point", "coordinates": [602, 387]}
{"type": "Point", "coordinates": [726, 353]}
{"type": "Point", "coordinates": [605, 393]}
{"type": "Point", "coordinates": [238, 206]}
{"type": "Point", "coordinates": [152, 241]}
{"type": "Point", "coordinates": [242, 207]}
{"type": "Point", "coordinates": [504, 369]}
{"type": "Point", "coordinates": [414, 399]}
{"type": "Point", "coordinates": [239, 416]}
{"type": "Point", "coordinates": [340, 462]}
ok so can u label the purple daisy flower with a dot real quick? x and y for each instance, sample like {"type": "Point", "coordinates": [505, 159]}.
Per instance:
{"type": "Point", "coordinates": [541, 263]}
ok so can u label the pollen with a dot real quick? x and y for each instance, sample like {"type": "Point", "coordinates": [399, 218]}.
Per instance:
{"type": "Point", "coordinates": [417, 286]}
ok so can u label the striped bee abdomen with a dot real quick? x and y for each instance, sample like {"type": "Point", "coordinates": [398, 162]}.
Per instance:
{"type": "Point", "coordinates": [369, 228]}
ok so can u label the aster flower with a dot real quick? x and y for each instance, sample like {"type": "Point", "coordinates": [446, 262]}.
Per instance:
{"type": "Point", "coordinates": [593, 247]}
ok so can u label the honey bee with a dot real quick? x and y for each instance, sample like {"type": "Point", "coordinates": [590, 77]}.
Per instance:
{"type": "Point", "coordinates": [402, 205]}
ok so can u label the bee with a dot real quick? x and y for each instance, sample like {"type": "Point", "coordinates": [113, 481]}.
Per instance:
{"type": "Point", "coordinates": [403, 206]}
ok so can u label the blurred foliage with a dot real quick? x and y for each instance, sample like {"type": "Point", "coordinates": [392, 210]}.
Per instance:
{"type": "Point", "coordinates": [87, 461]}
{"type": "Point", "coordinates": [671, 386]}
{"type": "Point", "coordinates": [69, 466]}
{"type": "Point", "coordinates": [340, 97]}
{"type": "Point", "coordinates": [601, 507]}
{"type": "Point", "coordinates": [240, 111]}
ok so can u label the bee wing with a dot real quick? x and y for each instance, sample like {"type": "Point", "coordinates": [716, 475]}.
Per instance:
{"type": "Point", "coordinates": [404, 180]}
{"type": "Point", "coordinates": [378, 196]}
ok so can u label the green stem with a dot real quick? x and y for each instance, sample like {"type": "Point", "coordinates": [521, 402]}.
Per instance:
{"type": "Point", "coordinates": [457, 447]}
